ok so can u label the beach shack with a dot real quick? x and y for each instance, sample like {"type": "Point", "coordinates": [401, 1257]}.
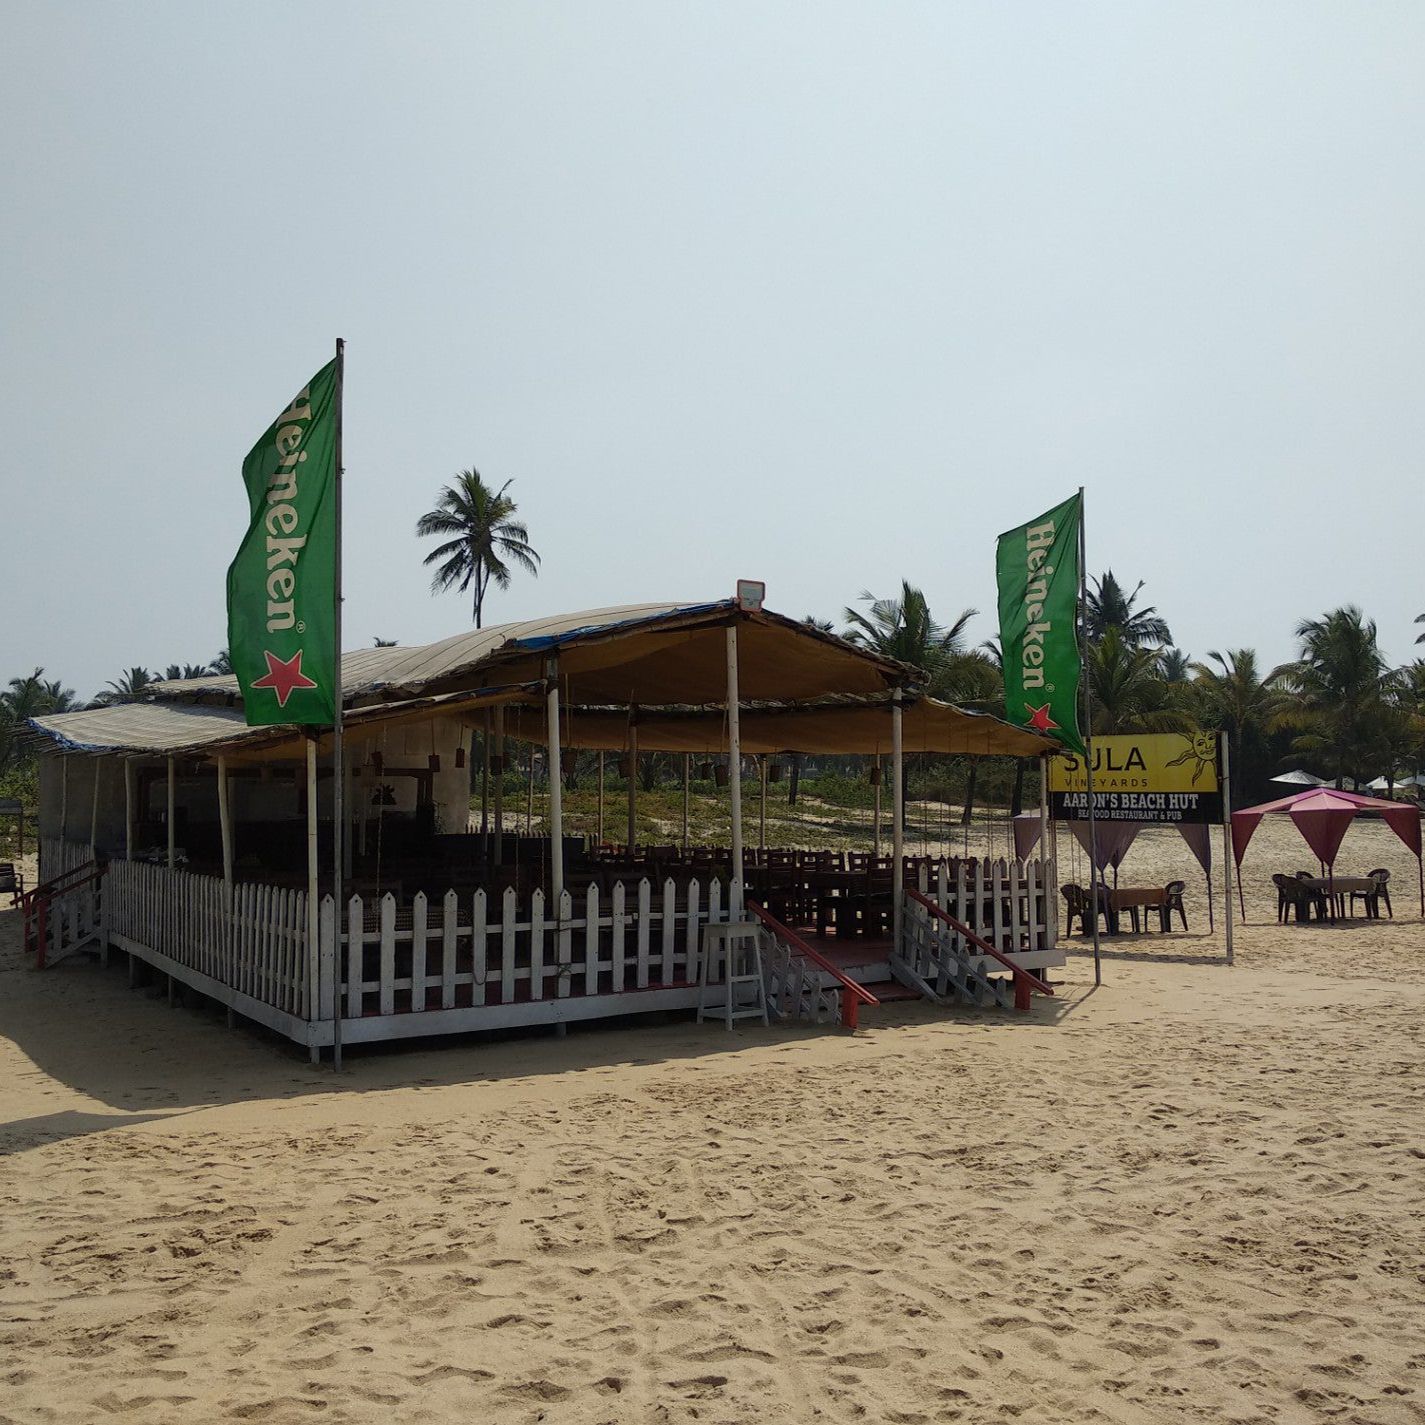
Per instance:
{"type": "Point", "coordinates": [194, 844]}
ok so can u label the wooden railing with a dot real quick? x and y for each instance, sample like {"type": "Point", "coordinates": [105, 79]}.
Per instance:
{"type": "Point", "coordinates": [63, 913]}
{"type": "Point", "coordinates": [1025, 982]}
{"type": "Point", "coordinates": [1010, 903]}
{"type": "Point", "coordinates": [791, 985]}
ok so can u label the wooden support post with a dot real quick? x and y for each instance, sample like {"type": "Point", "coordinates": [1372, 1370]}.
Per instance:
{"type": "Point", "coordinates": [128, 809]}
{"type": "Point", "coordinates": [556, 785]}
{"type": "Point", "coordinates": [632, 783]}
{"type": "Point", "coordinates": [225, 826]}
{"type": "Point", "coordinates": [599, 819]}
{"type": "Point", "coordinates": [313, 900]}
{"type": "Point", "coordinates": [64, 796]}
{"type": "Point", "coordinates": [348, 806]}
{"type": "Point", "coordinates": [876, 816]}
{"type": "Point", "coordinates": [687, 796]}
{"type": "Point", "coordinates": [762, 815]}
{"type": "Point", "coordinates": [172, 811]}
{"type": "Point", "coordinates": [529, 796]}
{"type": "Point", "coordinates": [734, 770]}
{"type": "Point", "coordinates": [499, 788]}
{"type": "Point", "coordinates": [485, 778]}
{"type": "Point", "coordinates": [94, 808]}
{"type": "Point", "coordinates": [897, 821]}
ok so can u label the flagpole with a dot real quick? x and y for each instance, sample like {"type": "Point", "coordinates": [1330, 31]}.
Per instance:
{"type": "Point", "coordinates": [338, 751]}
{"type": "Point", "coordinates": [1088, 741]}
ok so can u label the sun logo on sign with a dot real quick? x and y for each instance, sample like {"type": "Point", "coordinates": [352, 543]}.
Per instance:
{"type": "Point", "coordinates": [1201, 749]}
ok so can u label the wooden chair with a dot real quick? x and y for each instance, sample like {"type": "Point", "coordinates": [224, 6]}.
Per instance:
{"type": "Point", "coordinates": [13, 881]}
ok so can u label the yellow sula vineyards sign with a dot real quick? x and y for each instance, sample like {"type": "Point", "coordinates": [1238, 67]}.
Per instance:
{"type": "Point", "coordinates": [1162, 776]}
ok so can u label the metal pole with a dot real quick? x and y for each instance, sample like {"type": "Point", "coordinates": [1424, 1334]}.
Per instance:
{"type": "Point", "coordinates": [734, 770]}
{"type": "Point", "coordinates": [762, 825]}
{"type": "Point", "coordinates": [172, 809]}
{"type": "Point", "coordinates": [556, 787]}
{"type": "Point", "coordinates": [312, 873]}
{"type": "Point", "coordinates": [225, 824]}
{"type": "Point", "coordinates": [1049, 870]}
{"type": "Point", "coordinates": [897, 820]}
{"type": "Point", "coordinates": [1088, 741]}
{"type": "Point", "coordinates": [338, 748]}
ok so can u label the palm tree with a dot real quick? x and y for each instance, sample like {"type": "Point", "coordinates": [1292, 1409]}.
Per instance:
{"type": "Point", "coordinates": [905, 630]}
{"type": "Point", "coordinates": [1234, 697]}
{"type": "Point", "coordinates": [1338, 690]}
{"type": "Point", "coordinates": [384, 642]}
{"type": "Point", "coordinates": [483, 534]}
{"type": "Point", "coordinates": [27, 697]}
{"type": "Point", "coordinates": [132, 687]}
{"type": "Point", "coordinates": [1127, 690]}
{"type": "Point", "coordinates": [1420, 637]}
{"type": "Point", "coordinates": [1176, 665]}
{"type": "Point", "coordinates": [223, 663]}
{"type": "Point", "coordinates": [1107, 606]}
{"type": "Point", "coordinates": [180, 672]}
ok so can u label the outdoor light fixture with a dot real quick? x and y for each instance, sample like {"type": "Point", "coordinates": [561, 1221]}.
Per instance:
{"type": "Point", "coordinates": [751, 595]}
{"type": "Point", "coordinates": [378, 762]}
{"type": "Point", "coordinates": [774, 771]}
{"type": "Point", "coordinates": [434, 761]}
{"type": "Point", "coordinates": [625, 767]}
{"type": "Point", "coordinates": [875, 774]}
{"type": "Point", "coordinates": [460, 755]}
{"type": "Point", "coordinates": [566, 761]}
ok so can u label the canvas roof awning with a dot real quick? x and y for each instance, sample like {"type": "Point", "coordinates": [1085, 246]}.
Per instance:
{"type": "Point", "coordinates": [188, 729]}
{"type": "Point", "coordinates": [194, 729]}
{"type": "Point", "coordinates": [651, 654]}
{"type": "Point", "coordinates": [833, 727]}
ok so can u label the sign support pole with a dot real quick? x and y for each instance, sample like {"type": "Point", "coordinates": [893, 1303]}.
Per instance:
{"type": "Point", "coordinates": [338, 749]}
{"type": "Point", "coordinates": [1088, 743]}
{"type": "Point", "coordinates": [1224, 761]}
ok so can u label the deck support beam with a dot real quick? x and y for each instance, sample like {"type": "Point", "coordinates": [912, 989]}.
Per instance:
{"type": "Point", "coordinates": [734, 772]}
{"type": "Point", "coordinates": [687, 795]}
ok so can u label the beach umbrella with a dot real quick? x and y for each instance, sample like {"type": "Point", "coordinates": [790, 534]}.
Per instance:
{"type": "Point", "coordinates": [1299, 779]}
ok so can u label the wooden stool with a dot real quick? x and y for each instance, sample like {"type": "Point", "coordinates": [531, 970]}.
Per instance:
{"type": "Point", "coordinates": [739, 944]}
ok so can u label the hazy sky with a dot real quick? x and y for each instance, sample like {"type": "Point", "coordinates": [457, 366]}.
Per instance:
{"type": "Point", "coordinates": [822, 294]}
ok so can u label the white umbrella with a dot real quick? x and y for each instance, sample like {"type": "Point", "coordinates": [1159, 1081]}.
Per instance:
{"type": "Point", "coordinates": [1300, 779]}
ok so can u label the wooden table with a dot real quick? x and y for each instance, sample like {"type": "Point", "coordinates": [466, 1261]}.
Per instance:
{"type": "Point", "coordinates": [1340, 887]}
{"type": "Point", "coordinates": [1136, 898]}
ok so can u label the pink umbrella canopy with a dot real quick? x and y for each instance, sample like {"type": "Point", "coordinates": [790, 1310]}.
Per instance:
{"type": "Point", "coordinates": [1322, 816]}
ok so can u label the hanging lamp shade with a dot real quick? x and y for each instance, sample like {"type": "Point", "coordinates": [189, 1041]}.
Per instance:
{"type": "Point", "coordinates": [875, 775]}
{"type": "Point", "coordinates": [567, 760]}
{"type": "Point", "coordinates": [433, 761]}
{"type": "Point", "coordinates": [720, 774]}
{"type": "Point", "coordinates": [774, 772]}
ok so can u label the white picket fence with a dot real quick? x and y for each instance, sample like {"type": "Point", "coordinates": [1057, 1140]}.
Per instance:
{"type": "Point", "coordinates": [476, 951]}
{"type": "Point", "coordinates": [251, 939]}
{"type": "Point", "coordinates": [477, 961]}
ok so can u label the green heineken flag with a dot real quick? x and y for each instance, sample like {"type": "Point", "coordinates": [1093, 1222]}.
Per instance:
{"type": "Point", "coordinates": [281, 585]}
{"type": "Point", "coordinates": [1037, 569]}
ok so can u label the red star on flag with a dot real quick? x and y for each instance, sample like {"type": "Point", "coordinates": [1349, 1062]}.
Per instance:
{"type": "Point", "coordinates": [1039, 718]}
{"type": "Point", "coordinates": [283, 676]}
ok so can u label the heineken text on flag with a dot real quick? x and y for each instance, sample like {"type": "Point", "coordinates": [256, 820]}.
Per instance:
{"type": "Point", "coordinates": [281, 585]}
{"type": "Point", "coordinates": [1037, 571]}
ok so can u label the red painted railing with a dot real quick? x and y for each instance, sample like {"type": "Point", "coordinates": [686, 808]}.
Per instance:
{"type": "Point", "coordinates": [35, 903]}
{"type": "Point", "coordinates": [1025, 982]}
{"type": "Point", "coordinates": [853, 995]}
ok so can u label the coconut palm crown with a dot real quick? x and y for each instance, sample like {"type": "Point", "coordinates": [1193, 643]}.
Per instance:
{"type": "Point", "coordinates": [482, 539]}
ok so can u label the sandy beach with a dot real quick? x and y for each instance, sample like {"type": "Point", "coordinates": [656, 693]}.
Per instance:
{"type": "Point", "coordinates": [1196, 1193]}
